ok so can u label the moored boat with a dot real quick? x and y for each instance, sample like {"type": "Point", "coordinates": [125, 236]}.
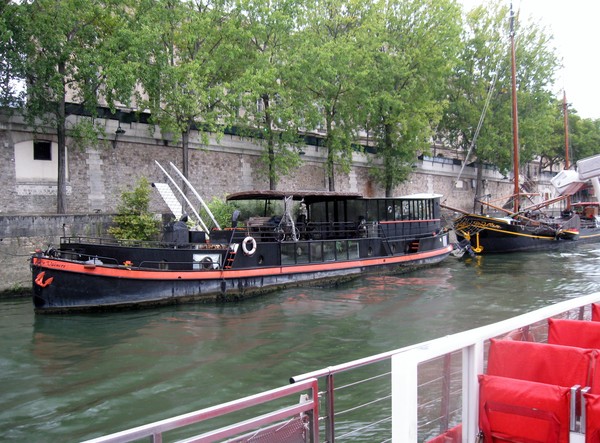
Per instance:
{"type": "Point", "coordinates": [317, 237]}
{"type": "Point", "coordinates": [530, 229]}
{"type": "Point", "coordinates": [519, 229]}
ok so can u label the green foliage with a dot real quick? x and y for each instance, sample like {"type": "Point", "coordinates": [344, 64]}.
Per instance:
{"type": "Point", "coordinates": [134, 221]}
{"type": "Point", "coordinates": [329, 59]}
{"type": "Point", "coordinates": [195, 55]}
{"type": "Point", "coordinates": [270, 109]}
{"type": "Point", "coordinates": [65, 50]}
{"type": "Point", "coordinates": [412, 57]}
{"type": "Point", "coordinates": [281, 67]}
{"type": "Point", "coordinates": [483, 64]}
{"type": "Point", "coordinates": [222, 211]}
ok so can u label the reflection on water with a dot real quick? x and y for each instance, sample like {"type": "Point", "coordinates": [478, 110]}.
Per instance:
{"type": "Point", "coordinates": [69, 378]}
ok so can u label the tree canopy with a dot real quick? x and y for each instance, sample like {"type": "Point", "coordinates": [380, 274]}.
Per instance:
{"type": "Point", "coordinates": [394, 75]}
{"type": "Point", "coordinates": [60, 49]}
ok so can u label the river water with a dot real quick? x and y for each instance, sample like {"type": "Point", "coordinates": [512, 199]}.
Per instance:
{"type": "Point", "coordinates": [71, 378]}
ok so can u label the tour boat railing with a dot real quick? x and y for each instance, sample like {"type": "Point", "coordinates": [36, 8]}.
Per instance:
{"type": "Point", "coordinates": [292, 420]}
{"type": "Point", "coordinates": [424, 374]}
{"type": "Point", "coordinates": [407, 395]}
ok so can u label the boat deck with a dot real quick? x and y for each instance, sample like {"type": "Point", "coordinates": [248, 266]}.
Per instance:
{"type": "Point", "coordinates": [428, 392]}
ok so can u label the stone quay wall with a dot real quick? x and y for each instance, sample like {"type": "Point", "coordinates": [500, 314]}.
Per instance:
{"type": "Point", "coordinates": [21, 235]}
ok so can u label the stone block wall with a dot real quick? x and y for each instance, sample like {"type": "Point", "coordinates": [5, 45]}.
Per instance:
{"type": "Point", "coordinates": [21, 235]}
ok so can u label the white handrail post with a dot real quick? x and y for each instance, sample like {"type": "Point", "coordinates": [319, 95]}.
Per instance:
{"type": "Point", "coordinates": [472, 360]}
{"type": "Point", "coordinates": [404, 397]}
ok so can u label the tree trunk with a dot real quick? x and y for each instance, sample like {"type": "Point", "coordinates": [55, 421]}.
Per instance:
{"type": "Point", "coordinates": [388, 173]}
{"type": "Point", "coordinates": [61, 189]}
{"type": "Point", "coordinates": [270, 143]}
{"type": "Point", "coordinates": [330, 170]}
{"type": "Point", "coordinates": [185, 142]}
{"type": "Point", "coordinates": [330, 157]}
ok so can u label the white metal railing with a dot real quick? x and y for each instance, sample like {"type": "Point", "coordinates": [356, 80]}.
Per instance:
{"type": "Point", "coordinates": [405, 375]}
{"type": "Point", "coordinates": [407, 362]}
{"type": "Point", "coordinates": [306, 410]}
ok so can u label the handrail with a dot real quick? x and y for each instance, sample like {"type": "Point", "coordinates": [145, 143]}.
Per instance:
{"type": "Point", "coordinates": [156, 429]}
{"type": "Point", "coordinates": [405, 362]}
{"type": "Point", "coordinates": [403, 396]}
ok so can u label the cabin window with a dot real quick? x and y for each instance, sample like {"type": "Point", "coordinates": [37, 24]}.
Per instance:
{"type": "Point", "coordinates": [316, 252]}
{"type": "Point", "coordinates": [389, 209]}
{"type": "Point", "coordinates": [287, 254]}
{"type": "Point", "coordinates": [406, 210]}
{"type": "Point", "coordinates": [353, 250]}
{"type": "Point", "coordinates": [356, 210]}
{"type": "Point", "coordinates": [302, 255]}
{"type": "Point", "coordinates": [381, 210]}
{"type": "Point", "coordinates": [317, 212]}
{"type": "Point", "coordinates": [329, 251]}
{"type": "Point", "coordinates": [341, 249]}
{"type": "Point", "coordinates": [42, 150]}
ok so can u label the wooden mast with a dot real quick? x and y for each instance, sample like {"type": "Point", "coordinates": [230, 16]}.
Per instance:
{"type": "Point", "coordinates": [566, 117]}
{"type": "Point", "coordinates": [566, 125]}
{"type": "Point", "coordinates": [515, 115]}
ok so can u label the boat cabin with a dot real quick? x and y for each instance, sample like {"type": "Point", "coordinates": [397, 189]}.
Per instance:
{"type": "Point", "coordinates": [326, 215]}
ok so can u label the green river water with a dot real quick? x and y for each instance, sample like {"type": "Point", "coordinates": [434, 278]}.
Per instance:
{"type": "Point", "coordinates": [71, 378]}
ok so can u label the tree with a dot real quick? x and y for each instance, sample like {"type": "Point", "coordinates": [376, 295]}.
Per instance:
{"type": "Point", "coordinates": [585, 137]}
{"type": "Point", "coordinates": [134, 220]}
{"type": "Point", "coordinates": [10, 60]}
{"type": "Point", "coordinates": [415, 47]}
{"type": "Point", "coordinates": [67, 48]}
{"type": "Point", "coordinates": [484, 73]}
{"type": "Point", "coordinates": [328, 61]}
{"type": "Point", "coordinates": [269, 108]}
{"type": "Point", "coordinates": [188, 53]}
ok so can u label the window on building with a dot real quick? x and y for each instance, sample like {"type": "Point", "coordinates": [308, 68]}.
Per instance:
{"type": "Point", "coordinates": [42, 150]}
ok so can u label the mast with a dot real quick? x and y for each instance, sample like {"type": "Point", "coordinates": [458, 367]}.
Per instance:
{"type": "Point", "coordinates": [515, 115]}
{"type": "Point", "coordinates": [566, 125]}
{"type": "Point", "coordinates": [566, 117]}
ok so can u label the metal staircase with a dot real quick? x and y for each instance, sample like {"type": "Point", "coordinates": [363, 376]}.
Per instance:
{"type": "Point", "coordinates": [174, 204]}
{"type": "Point", "coordinates": [169, 198]}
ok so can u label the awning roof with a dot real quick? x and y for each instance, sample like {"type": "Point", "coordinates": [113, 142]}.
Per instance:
{"type": "Point", "coordinates": [308, 196]}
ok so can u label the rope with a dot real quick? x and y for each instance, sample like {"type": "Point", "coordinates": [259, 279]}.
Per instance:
{"type": "Point", "coordinates": [479, 125]}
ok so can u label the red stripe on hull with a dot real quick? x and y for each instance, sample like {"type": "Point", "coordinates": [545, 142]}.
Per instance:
{"type": "Point", "coordinates": [129, 273]}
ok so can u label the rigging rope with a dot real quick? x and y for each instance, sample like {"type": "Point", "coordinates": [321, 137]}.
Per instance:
{"type": "Point", "coordinates": [479, 125]}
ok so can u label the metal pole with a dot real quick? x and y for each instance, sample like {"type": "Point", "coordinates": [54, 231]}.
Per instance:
{"type": "Point", "coordinates": [515, 113]}
{"type": "Point", "coordinates": [330, 424]}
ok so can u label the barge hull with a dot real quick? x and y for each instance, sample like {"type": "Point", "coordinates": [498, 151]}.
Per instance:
{"type": "Point", "coordinates": [61, 286]}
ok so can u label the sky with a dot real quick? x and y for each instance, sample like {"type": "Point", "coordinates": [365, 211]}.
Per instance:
{"type": "Point", "coordinates": [575, 27]}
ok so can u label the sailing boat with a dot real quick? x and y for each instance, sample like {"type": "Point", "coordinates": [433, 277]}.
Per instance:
{"type": "Point", "coordinates": [526, 228]}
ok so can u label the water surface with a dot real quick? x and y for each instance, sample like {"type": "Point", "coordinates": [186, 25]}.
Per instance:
{"type": "Point", "coordinates": [71, 378]}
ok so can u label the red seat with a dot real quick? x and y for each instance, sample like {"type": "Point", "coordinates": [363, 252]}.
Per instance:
{"type": "Point", "coordinates": [544, 363]}
{"type": "Point", "coordinates": [452, 435]}
{"type": "Point", "coordinates": [592, 419]}
{"type": "Point", "coordinates": [583, 334]}
{"type": "Point", "coordinates": [595, 311]}
{"type": "Point", "coordinates": [513, 410]}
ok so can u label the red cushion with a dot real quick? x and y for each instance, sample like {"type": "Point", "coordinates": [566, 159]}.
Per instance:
{"type": "Point", "coordinates": [592, 424]}
{"type": "Point", "coordinates": [541, 362]}
{"type": "Point", "coordinates": [513, 410]}
{"type": "Point", "coordinates": [583, 334]}
{"type": "Point", "coordinates": [595, 311]}
{"type": "Point", "coordinates": [453, 435]}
